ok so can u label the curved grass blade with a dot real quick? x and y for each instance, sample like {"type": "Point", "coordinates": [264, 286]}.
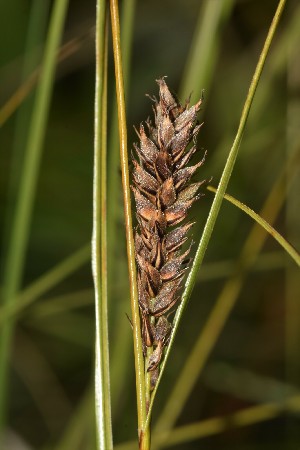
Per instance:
{"type": "Point", "coordinates": [246, 417]}
{"type": "Point", "coordinates": [215, 208]}
{"type": "Point", "coordinates": [216, 425]}
{"type": "Point", "coordinates": [262, 222]}
{"type": "Point", "coordinates": [224, 304]}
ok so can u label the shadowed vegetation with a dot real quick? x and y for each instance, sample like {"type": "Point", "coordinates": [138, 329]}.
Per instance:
{"type": "Point", "coordinates": [236, 349]}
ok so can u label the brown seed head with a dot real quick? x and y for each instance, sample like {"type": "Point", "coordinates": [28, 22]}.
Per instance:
{"type": "Point", "coordinates": [163, 195]}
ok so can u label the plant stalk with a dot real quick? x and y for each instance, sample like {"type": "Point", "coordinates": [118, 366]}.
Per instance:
{"type": "Point", "coordinates": [216, 205]}
{"type": "Point", "coordinates": [263, 223]}
{"type": "Point", "coordinates": [137, 340]}
{"type": "Point", "coordinates": [99, 240]}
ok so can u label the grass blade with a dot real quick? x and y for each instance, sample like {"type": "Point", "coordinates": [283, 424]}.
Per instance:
{"type": "Point", "coordinates": [99, 240]}
{"type": "Point", "coordinates": [262, 222]}
{"type": "Point", "coordinates": [216, 425]}
{"type": "Point", "coordinates": [215, 208]}
{"type": "Point", "coordinates": [222, 307]}
{"type": "Point", "coordinates": [121, 333]}
{"type": "Point", "coordinates": [138, 352]}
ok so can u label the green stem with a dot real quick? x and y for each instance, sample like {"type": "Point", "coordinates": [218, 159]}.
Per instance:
{"type": "Point", "coordinates": [137, 341]}
{"type": "Point", "coordinates": [223, 306]}
{"type": "Point", "coordinates": [99, 241]}
{"type": "Point", "coordinates": [121, 332]}
{"type": "Point", "coordinates": [263, 223]}
{"type": "Point", "coordinates": [215, 208]}
{"type": "Point", "coordinates": [21, 221]}
{"type": "Point", "coordinates": [114, 156]}
{"type": "Point", "coordinates": [147, 429]}
{"type": "Point", "coordinates": [216, 425]}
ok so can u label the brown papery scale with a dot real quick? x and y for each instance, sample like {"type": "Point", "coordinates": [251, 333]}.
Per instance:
{"type": "Point", "coordinates": [163, 195]}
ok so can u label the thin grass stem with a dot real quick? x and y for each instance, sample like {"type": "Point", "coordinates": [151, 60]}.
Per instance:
{"type": "Point", "coordinates": [217, 425]}
{"type": "Point", "coordinates": [263, 223]}
{"type": "Point", "coordinates": [249, 416]}
{"type": "Point", "coordinates": [127, 18]}
{"type": "Point", "coordinates": [292, 227]}
{"type": "Point", "coordinates": [99, 240]}
{"type": "Point", "coordinates": [222, 308]}
{"type": "Point", "coordinates": [63, 303]}
{"type": "Point", "coordinates": [276, 67]}
{"type": "Point", "coordinates": [57, 305]}
{"type": "Point", "coordinates": [121, 333]}
{"type": "Point", "coordinates": [215, 208]}
{"type": "Point", "coordinates": [137, 341]}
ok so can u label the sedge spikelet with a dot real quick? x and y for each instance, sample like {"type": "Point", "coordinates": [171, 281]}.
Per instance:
{"type": "Point", "coordinates": [163, 195]}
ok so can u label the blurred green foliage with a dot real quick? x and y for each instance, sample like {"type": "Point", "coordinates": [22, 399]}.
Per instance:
{"type": "Point", "coordinates": [53, 351]}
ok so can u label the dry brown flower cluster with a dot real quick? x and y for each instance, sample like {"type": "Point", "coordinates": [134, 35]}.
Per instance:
{"type": "Point", "coordinates": [163, 194]}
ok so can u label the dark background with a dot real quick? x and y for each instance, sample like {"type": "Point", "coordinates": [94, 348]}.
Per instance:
{"type": "Point", "coordinates": [256, 358]}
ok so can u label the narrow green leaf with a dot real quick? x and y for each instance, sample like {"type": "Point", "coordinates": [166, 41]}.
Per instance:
{"type": "Point", "coordinates": [215, 208]}
{"type": "Point", "coordinates": [137, 341]}
{"type": "Point", "coordinates": [224, 304]}
{"type": "Point", "coordinates": [99, 240]}
{"type": "Point", "coordinates": [211, 427]}
{"type": "Point", "coordinates": [262, 222]}
{"type": "Point", "coordinates": [121, 334]}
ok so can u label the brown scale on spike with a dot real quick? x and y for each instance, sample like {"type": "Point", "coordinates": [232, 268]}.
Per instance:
{"type": "Point", "coordinates": [163, 195]}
